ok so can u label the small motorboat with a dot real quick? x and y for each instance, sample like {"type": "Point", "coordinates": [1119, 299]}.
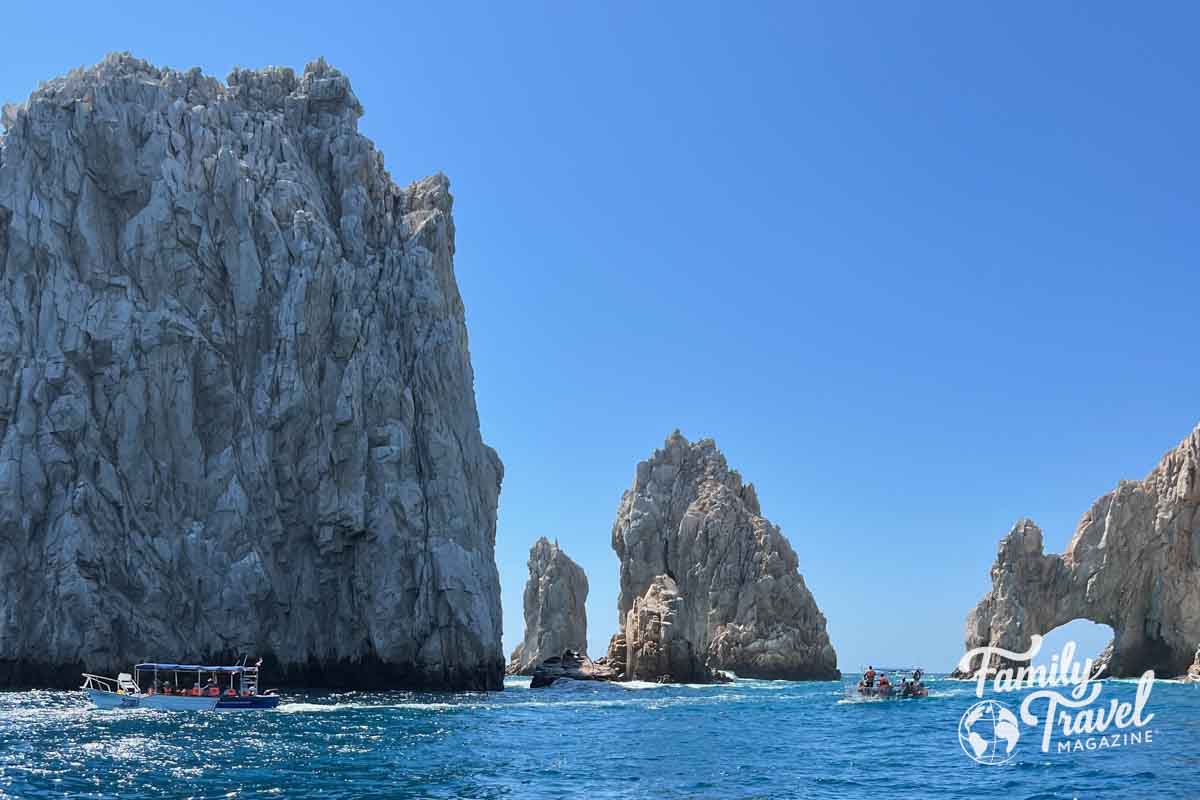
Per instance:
{"type": "Point", "coordinates": [181, 687]}
{"type": "Point", "coordinates": [882, 689]}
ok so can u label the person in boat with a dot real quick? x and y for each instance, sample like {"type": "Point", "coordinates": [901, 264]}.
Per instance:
{"type": "Point", "coordinates": [869, 677]}
{"type": "Point", "coordinates": [884, 684]}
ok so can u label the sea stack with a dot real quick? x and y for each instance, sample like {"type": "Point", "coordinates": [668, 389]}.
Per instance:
{"type": "Point", "coordinates": [237, 413]}
{"type": "Point", "coordinates": [1133, 564]}
{"type": "Point", "coordinates": [707, 582]}
{"type": "Point", "coordinates": [555, 609]}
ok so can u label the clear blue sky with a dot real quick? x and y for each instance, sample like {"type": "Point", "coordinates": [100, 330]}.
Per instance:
{"type": "Point", "coordinates": [919, 268]}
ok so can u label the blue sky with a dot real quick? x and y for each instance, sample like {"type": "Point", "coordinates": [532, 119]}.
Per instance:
{"type": "Point", "coordinates": [920, 269]}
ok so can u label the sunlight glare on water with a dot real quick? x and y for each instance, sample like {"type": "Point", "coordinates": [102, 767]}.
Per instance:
{"type": "Point", "coordinates": [749, 739]}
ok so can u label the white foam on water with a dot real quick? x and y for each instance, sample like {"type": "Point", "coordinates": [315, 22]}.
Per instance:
{"type": "Point", "coordinates": [303, 708]}
{"type": "Point", "coordinates": [309, 708]}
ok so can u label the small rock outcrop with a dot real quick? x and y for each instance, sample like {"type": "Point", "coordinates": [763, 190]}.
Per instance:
{"type": "Point", "coordinates": [708, 583]}
{"type": "Point", "coordinates": [1133, 564]}
{"type": "Point", "coordinates": [555, 608]}
{"type": "Point", "coordinates": [237, 412]}
{"type": "Point", "coordinates": [657, 648]}
{"type": "Point", "coordinates": [1193, 673]}
{"type": "Point", "coordinates": [573, 666]}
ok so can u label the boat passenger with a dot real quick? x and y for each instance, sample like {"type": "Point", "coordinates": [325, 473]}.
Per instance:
{"type": "Point", "coordinates": [869, 677]}
{"type": "Point", "coordinates": [884, 683]}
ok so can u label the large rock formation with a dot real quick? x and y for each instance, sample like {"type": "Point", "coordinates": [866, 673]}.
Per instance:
{"type": "Point", "coordinates": [707, 582]}
{"type": "Point", "coordinates": [555, 612]}
{"type": "Point", "coordinates": [236, 402]}
{"type": "Point", "coordinates": [1133, 564]}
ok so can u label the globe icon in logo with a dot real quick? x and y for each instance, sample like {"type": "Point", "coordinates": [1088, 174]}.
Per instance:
{"type": "Point", "coordinates": [988, 732]}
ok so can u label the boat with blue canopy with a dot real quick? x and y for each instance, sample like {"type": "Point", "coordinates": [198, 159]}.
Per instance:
{"type": "Point", "coordinates": [181, 687]}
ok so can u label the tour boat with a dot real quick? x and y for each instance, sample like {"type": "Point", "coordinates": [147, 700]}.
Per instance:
{"type": "Point", "coordinates": [180, 687]}
{"type": "Point", "coordinates": [904, 690]}
{"type": "Point", "coordinates": [892, 692]}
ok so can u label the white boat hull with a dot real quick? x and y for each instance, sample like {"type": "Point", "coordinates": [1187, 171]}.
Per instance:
{"type": "Point", "coordinates": [167, 702]}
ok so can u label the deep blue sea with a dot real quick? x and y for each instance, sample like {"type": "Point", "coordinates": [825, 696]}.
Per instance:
{"type": "Point", "coordinates": [750, 739]}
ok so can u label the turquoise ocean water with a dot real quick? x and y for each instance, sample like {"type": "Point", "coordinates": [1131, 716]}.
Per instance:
{"type": "Point", "coordinates": [750, 739]}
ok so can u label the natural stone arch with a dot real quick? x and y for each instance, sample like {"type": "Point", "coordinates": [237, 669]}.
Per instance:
{"type": "Point", "coordinates": [1091, 639]}
{"type": "Point", "coordinates": [1133, 564]}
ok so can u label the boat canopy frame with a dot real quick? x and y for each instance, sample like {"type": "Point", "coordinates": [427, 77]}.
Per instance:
{"type": "Point", "coordinates": [247, 677]}
{"type": "Point", "coordinates": [191, 668]}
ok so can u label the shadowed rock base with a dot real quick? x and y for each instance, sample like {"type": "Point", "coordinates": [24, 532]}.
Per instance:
{"type": "Point", "coordinates": [570, 666]}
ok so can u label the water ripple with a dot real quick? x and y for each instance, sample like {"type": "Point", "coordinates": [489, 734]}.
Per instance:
{"type": "Point", "coordinates": [750, 739]}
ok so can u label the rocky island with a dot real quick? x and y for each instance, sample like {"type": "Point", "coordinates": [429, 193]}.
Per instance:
{"type": "Point", "coordinates": [706, 582]}
{"type": "Point", "coordinates": [1133, 564]}
{"type": "Point", "coordinates": [555, 609]}
{"type": "Point", "coordinates": [237, 412]}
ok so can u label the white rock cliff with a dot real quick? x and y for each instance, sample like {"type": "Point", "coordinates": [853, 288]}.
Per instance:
{"type": "Point", "coordinates": [237, 412]}
{"type": "Point", "coordinates": [555, 608]}
{"type": "Point", "coordinates": [708, 583]}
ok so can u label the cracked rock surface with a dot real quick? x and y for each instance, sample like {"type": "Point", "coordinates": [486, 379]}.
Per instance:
{"type": "Point", "coordinates": [237, 411]}
{"type": "Point", "coordinates": [1133, 564]}
{"type": "Point", "coordinates": [707, 582]}
{"type": "Point", "coordinates": [555, 609]}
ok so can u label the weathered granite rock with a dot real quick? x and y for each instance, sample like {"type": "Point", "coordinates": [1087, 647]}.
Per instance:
{"type": "Point", "coordinates": [618, 650]}
{"type": "Point", "coordinates": [555, 608]}
{"type": "Point", "coordinates": [1133, 564]}
{"type": "Point", "coordinates": [707, 583]}
{"type": "Point", "coordinates": [657, 645]}
{"type": "Point", "coordinates": [236, 402]}
{"type": "Point", "coordinates": [571, 665]}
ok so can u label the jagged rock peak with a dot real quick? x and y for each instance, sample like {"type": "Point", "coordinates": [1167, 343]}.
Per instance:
{"type": "Point", "coordinates": [236, 400]}
{"type": "Point", "coordinates": [1133, 564]}
{"type": "Point", "coordinates": [696, 551]}
{"type": "Point", "coordinates": [268, 88]}
{"type": "Point", "coordinates": [555, 608]}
